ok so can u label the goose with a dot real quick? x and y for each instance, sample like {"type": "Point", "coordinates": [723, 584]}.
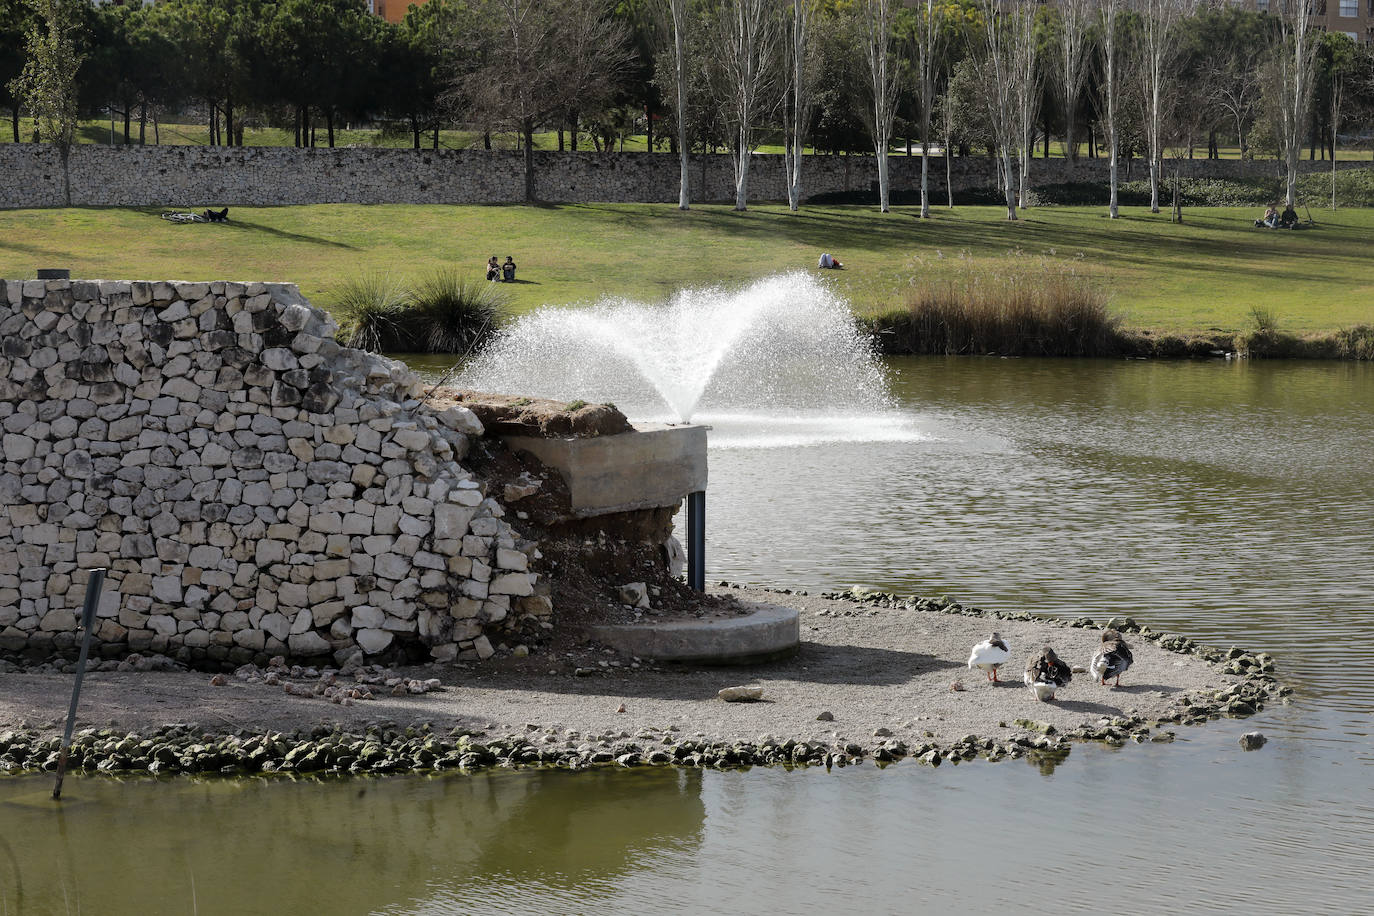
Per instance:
{"type": "Point", "coordinates": [990, 654]}
{"type": "Point", "coordinates": [1112, 659]}
{"type": "Point", "coordinates": [1045, 674]}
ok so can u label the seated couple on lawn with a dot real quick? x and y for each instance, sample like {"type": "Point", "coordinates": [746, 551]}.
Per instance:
{"type": "Point", "coordinates": [498, 271]}
{"type": "Point", "coordinates": [1272, 219]}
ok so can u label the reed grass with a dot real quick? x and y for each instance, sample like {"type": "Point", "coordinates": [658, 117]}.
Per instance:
{"type": "Point", "coordinates": [371, 311]}
{"type": "Point", "coordinates": [444, 311]}
{"type": "Point", "coordinates": [1040, 309]}
{"type": "Point", "coordinates": [454, 311]}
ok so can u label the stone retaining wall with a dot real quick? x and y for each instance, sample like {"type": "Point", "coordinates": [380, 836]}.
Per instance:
{"type": "Point", "coordinates": [254, 488]}
{"type": "Point", "coordinates": [199, 176]}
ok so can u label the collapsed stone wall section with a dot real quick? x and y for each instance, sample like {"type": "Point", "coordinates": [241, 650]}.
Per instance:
{"type": "Point", "coordinates": [254, 488]}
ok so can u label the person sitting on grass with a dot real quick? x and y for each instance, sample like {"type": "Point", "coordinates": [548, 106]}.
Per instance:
{"type": "Point", "coordinates": [508, 270]}
{"type": "Point", "coordinates": [1289, 219]}
{"type": "Point", "coordinates": [830, 262]}
{"type": "Point", "coordinates": [1269, 220]}
{"type": "Point", "coordinates": [493, 268]}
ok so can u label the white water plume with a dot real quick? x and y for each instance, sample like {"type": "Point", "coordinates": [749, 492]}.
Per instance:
{"type": "Point", "coordinates": [783, 344]}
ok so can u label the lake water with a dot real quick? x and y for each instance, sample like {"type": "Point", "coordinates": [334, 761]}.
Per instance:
{"type": "Point", "coordinates": [1229, 501]}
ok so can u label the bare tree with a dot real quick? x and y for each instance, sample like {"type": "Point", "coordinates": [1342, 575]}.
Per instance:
{"type": "Point", "coordinates": [746, 40]}
{"type": "Point", "coordinates": [1026, 84]}
{"type": "Point", "coordinates": [800, 79]}
{"type": "Point", "coordinates": [930, 23]}
{"type": "Point", "coordinates": [1072, 63]}
{"type": "Point", "coordinates": [999, 89]}
{"type": "Point", "coordinates": [540, 60]}
{"type": "Point", "coordinates": [876, 21]}
{"type": "Point", "coordinates": [674, 15]}
{"type": "Point", "coordinates": [1158, 47]}
{"type": "Point", "coordinates": [1233, 85]}
{"type": "Point", "coordinates": [1297, 54]}
{"type": "Point", "coordinates": [1111, 93]}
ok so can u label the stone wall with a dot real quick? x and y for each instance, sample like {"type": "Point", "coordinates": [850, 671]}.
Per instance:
{"type": "Point", "coordinates": [254, 488]}
{"type": "Point", "coordinates": [199, 176]}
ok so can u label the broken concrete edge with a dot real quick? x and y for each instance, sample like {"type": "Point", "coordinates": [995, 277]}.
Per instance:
{"type": "Point", "coordinates": [651, 467]}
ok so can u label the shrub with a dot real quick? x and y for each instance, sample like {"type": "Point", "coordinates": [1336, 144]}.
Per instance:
{"type": "Point", "coordinates": [1048, 311]}
{"type": "Point", "coordinates": [371, 311]}
{"type": "Point", "coordinates": [453, 312]}
{"type": "Point", "coordinates": [1354, 188]}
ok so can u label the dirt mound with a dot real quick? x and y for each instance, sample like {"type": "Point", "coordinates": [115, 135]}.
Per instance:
{"type": "Point", "coordinates": [513, 415]}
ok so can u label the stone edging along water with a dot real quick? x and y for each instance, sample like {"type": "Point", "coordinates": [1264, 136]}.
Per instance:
{"type": "Point", "coordinates": [417, 748]}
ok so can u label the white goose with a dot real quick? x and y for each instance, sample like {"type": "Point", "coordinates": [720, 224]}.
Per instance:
{"type": "Point", "coordinates": [990, 654]}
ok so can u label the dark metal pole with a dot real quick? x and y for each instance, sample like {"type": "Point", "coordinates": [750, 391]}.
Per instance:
{"type": "Point", "coordinates": [93, 583]}
{"type": "Point", "coordinates": [696, 540]}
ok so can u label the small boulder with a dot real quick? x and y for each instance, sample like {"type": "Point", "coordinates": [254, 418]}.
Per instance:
{"type": "Point", "coordinates": [1252, 741]}
{"type": "Point", "coordinates": [826, 716]}
{"type": "Point", "coordinates": [741, 694]}
{"type": "Point", "coordinates": [635, 594]}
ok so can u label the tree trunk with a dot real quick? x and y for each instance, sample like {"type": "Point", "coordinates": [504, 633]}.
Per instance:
{"type": "Point", "coordinates": [415, 131]}
{"type": "Point", "coordinates": [949, 174]}
{"type": "Point", "coordinates": [648, 128]}
{"type": "Point", "coordinates": [882, 176]}
{"type": "Point", "coordinates": [14, 121]}
{"type": "Point", "coordinates": [486, 139]}
{"type": "Point", "coordinates": [128, 120]}
{"type": "Point", "coordinates": [529, 163]}
{"type": "Point", "coordinates": [560, 139]}
{"type": "Point", "coordinates": [436, 135]}
{"type": "Point", "coordinates": [329, 125]}
{"type": "Point", "coordinates": [925, 176]}
{"type": "Point", "coordinates": [143, 124]}
{"type": "Point", "coordinates": [229, 119]}
{"type": "Point", "coordinates": [573, 130]}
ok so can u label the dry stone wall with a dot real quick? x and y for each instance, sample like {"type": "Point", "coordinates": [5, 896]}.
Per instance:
{"type": "Point", "coordinates": [254, 488]}
{"type": "Point", "coordinates": [199, 176]}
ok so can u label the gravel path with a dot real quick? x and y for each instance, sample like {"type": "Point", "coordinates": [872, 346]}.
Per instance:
{"type": "Point", "coordinates": [870, 667]}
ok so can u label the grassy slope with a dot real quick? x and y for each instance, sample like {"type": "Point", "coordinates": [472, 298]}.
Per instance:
{"type": "Point", "coordinates": [1207, 273]}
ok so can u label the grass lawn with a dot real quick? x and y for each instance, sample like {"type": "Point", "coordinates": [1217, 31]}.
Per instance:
{"type": "Point", "coordinates": [1206, 273]}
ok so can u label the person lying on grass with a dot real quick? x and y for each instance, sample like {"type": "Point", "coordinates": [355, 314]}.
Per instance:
{"type": "Point", "coordinates": [830, 262]}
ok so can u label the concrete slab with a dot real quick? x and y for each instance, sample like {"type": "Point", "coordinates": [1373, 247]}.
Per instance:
{"type": "Point", "coordinates": [645, 469]}
{"type": "Point", "coordinates": [770, 631]}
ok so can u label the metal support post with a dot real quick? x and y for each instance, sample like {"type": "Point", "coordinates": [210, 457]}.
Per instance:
{"type": "Point", "coordinates": [696, 540]}
{"type": "Point", "coordinates": [93, 584]}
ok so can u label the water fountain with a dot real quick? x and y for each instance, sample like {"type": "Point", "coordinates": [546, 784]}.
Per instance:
{"type": "Point", "coordinates": [779, 361]}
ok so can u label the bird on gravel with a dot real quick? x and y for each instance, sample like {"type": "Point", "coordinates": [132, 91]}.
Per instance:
{"type": "Point", "coordinates": [990, 654]}
{"type": "Point", "coordinates": [1045, 674]}
{"type": "Point", "coordinates": [1112, 659]}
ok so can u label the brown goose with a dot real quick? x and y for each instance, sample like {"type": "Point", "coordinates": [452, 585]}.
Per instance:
{"type": "Point", "coordinates": [1045, 674]}
{"type": "Point", "coordinates": [1112, 659]}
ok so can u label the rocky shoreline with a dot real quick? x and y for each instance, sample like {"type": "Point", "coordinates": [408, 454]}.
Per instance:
{"type": "Point", "coordinates": [461, 719]}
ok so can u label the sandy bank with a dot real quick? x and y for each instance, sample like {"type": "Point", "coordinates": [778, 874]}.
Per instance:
{"type": "Point", "coordinates": [891, 674]}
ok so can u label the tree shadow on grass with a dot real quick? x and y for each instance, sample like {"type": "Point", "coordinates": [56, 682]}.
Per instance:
{"type": "Point", "coordinates": [237, 224]}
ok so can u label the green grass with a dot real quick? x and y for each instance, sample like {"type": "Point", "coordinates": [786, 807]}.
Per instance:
{"type": "Point", "coordinates": [1209, 272]}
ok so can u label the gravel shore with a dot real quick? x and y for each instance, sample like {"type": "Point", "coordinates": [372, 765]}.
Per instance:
{"type": "Point", "coordinates": [875, 676]}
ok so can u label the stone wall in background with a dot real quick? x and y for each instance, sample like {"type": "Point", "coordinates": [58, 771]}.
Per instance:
{"type": "Point", "coordinates": [201, 176]}
{"type": "Point", "coordinates": [254, 488]}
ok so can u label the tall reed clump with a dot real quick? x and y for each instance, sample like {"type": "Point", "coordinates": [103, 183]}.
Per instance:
{"type": "Point", "coordinates": [371, 312]}
{"type": "Point", "coordinates": [446, 311]}
{"type": "Point", "coordinates": [1044, 311]}
{"type": "Point", "coordinates": [454, 311]}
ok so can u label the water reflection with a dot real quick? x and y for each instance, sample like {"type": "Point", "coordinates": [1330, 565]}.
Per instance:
{"type": "Point", "coordinates": [345, 846]}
